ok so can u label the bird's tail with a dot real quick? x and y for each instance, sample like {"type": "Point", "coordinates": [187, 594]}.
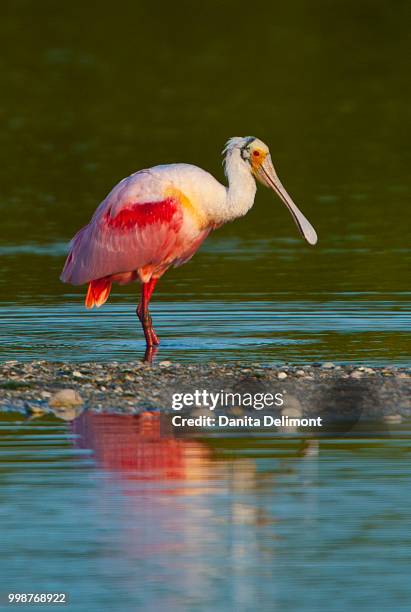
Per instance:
{"type": "Point", "coordinates": [98, 292]}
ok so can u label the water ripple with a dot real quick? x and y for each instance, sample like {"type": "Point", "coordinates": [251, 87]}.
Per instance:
{"type": "Point", "coordinates": [195, 331]}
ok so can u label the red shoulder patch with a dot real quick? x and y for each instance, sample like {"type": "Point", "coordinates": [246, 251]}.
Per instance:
{"type": "Point", "coordinates": [143, 214]}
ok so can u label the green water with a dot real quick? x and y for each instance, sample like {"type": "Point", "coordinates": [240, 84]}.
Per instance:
{"type": "Point", "coordinates": [91, 94]}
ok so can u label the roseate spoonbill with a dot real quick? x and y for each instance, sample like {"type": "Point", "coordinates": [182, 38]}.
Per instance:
{"type": "Point", "coordinates": [158, 217]}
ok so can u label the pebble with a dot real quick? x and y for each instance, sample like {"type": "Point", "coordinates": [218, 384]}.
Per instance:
{"type": "Point", "coordinates": [292, 413]}
{"type": "Point", "coordinates": [36, 411]}
{"type": "Point", "coordinates": [67, 413]}
{"type": "Point", "coordinates": [282, 375]}
{"type": "Point", "coordinates": [292, 407]}
{"type": "Point", "coordinates": [65, 398]}
{"type": "Point", "coordinates": [356, 374]}
{"type": "Point", "coordinates": [164, 364]}
{"type": "Point", "coordinates": [328, 365]}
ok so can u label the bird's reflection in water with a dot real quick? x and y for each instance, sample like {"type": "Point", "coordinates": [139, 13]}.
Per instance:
{"type": "Point", "coordinates": [133, 447]}
{"type": "Point", "coordinates": [184, 510]}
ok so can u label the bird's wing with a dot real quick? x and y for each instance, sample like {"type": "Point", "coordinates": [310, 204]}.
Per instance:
{"type": "Point", "coordinates": [138, 224]}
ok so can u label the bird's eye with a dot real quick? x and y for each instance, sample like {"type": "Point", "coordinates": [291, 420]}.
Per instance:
{"type": "Point", "coordinates": [256, 153]}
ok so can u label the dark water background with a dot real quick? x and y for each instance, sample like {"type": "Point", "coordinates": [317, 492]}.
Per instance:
{"type": "Point", "coordinates": [119, 519]}
{"type": "Point", "coordinates": [90, 95]}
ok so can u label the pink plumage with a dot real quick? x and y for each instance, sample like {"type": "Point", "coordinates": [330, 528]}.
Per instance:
{"type": "Point", "coordinates": [140, 234]}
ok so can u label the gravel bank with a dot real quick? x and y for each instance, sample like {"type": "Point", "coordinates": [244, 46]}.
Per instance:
{"type": "Point", "coordinates": [134, 387]}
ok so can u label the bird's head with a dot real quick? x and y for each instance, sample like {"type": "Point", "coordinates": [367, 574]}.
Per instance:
{"type": "Point", "coordinates": [255, 155]}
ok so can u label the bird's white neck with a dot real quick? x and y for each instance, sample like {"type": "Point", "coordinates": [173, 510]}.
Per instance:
{"type": "Point", "coordinates": [241, 186]}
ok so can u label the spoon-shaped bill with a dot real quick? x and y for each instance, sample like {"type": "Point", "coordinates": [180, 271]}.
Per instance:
{"type": "Point", "coordinates": [268, 176]}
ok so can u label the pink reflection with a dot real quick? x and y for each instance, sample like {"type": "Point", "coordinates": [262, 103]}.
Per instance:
{"type": "Point", "coordinates": [175, 512]}
{"type": "Point", "coordinates": [167, 510]}
{"type": "Point", "coordinates": [134, 446]}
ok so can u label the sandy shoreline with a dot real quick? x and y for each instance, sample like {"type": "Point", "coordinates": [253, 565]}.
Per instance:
{"type": "Point", "coordinates": [134, 387]}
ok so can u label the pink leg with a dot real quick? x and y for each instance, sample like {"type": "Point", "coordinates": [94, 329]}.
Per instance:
{"type": "Point", "coordinates": [150, 353]}
{"type": "Point", "coordinates": [144, 315]}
